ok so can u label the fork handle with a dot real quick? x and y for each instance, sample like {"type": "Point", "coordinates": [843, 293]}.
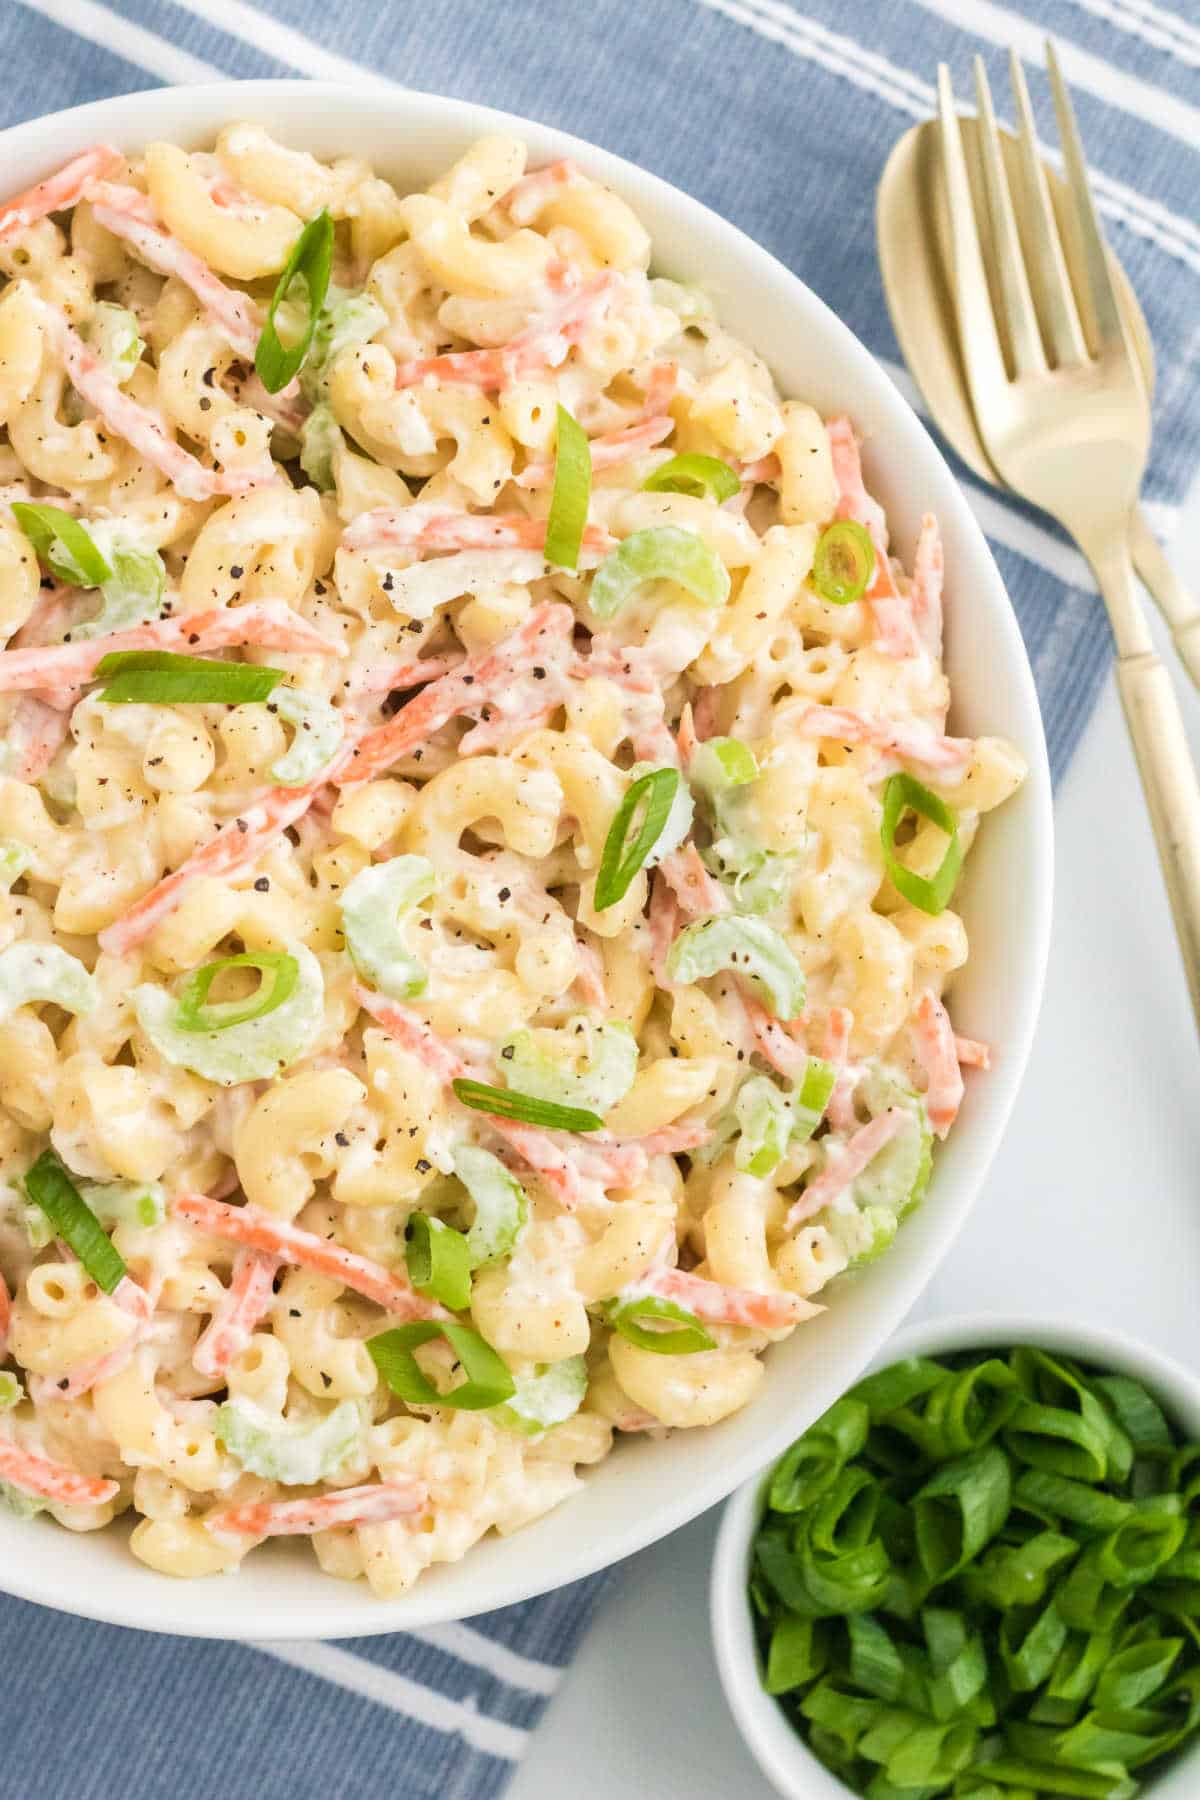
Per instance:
{"type": "Point", "coordinates": [1177, 606]}
{"type": "Point", "coordinates": [1172, 795]}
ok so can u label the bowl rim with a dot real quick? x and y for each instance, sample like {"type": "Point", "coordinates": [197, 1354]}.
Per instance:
{"type": "Point", "coordinates": [131, 120]}
{"type": "Point", "coordinates": [782, 1755]}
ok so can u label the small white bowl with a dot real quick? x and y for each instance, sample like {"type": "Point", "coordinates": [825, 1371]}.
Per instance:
{"type": "Point", "coordinates": [780, 1752]}
{"type": "Point", "coordinates": [650, 1487]}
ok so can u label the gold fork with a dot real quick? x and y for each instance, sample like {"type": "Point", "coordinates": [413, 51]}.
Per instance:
{"type": "Point", "coordinates": [1064, 417]}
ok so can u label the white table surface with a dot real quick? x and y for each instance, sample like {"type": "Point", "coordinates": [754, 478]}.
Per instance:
{"type": "Point", "coordinates": [1092, 1209]}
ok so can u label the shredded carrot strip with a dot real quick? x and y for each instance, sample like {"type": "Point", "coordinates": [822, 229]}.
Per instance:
{"type": "Point", "coordinates": [892, 615]}
{"type": "Point", "coordinates": [265, 625]}
{"type": "Point", "coordinates": [5, 1316]}
{"type": "Point", "coordinates": [695, 889]}
{"type": "Point", "coordinates": [246, 1301]}
{"type": "Point", "coordinates": [128, 215]}
{"type": "Point", "coordinates": [909, 742]}
{"type": "Point", "coordinates": [663, 923]}
{"type": "Point", "coordinates": [536, 1147]}
{"type": "Point", "coordinates": [779, 1042]}
{"type": "Point", "coordinates": [767, 468]}
{"type": "Point", "coordinates": [839, 1024]}
{"type": "Point", "coordinates": [716, 1304]}
{"type": "Point", "coordinates": [51, 1481]}
{"type": "Point", "coordinates": [859, 1150]}
{"type": "Point", "coordinates": [929, 570]}
{"type": "Point", "coordinates": [933, 1037]}
{"type": "Point", "coordinates": [429, 527]}
{"type": "Point", "coordinates": [608, 450]}
{"type": "Point", "coordinates": [234, 850]}
{"type": "Point", "coordinates": [685, 738]}
{"type": "Point", "coordinates": [477, 680]}
{"type": "Point", "coordinates": [36, 733]}
{"type": "Point", "coordinates": [534, 192]}
{"type": "Point", "coordinates": [60, 191]}
{"type": "Point", "coordinates": [141, 427]}
{"type": "Point", "coordinates": [543, 344]}
{"type": "Point", "coordinates": [387, 678]}
{"type": "Point", "coordinates": [140, 1305]}
{"type": "Point", "coordinates": [373, 1504]}
{"type": "Point", "coordinates": [674, 1140]}
{"type": "Point", "coordinates": [589, 978]}
{"type": "Point", "coordinates": [971, 1053]}
{"type": "Point", "coordinates": [304, 1249]}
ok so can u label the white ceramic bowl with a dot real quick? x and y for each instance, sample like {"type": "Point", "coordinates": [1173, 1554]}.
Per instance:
{"type": "Point", "coordinates": [780, 1753]}
{"type": "Point", "coordinates": [648, 1488]}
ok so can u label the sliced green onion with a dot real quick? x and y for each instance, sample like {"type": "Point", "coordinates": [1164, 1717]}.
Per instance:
{"type": "Point", "coordinates": [626, 1315]}
{"type": "Point", "coordinates": [439, 1261]}
{"type": "Point", "coordinates": [308, 268]}
{"type": "Point", "coordinates": [572, 491]}
{"type": "Point", "coordinates": [196, 1012]}
{"type": "Point", "coordinates": [547, 1396]}
{"type": "Point", "coordinates": [488, 1380]}
{"type": "Point", "coordinates": [722, 763]}
{"type": "Point", "coordinates": [318, 728]}
{"type": "Point", "coordinates": [375, 909]}
{"type": "Point", "coordinates": [625, 854]}
{"type": "Point", "coordinates": [252, 1048]}
{"type": "Point", "coordinates": [585, 1062]}
{"type": "Point", "coordinates": [294, 1453]}
{"type": "Point", "coordinates": [706, 477]}
{"type": "Point", "coordinates": [814, 1462]}
{"type": "Point", "coordinates": [165, 678]}
{"type": "Point", "coordinates": [904, 793]}
{"type": "Point", "coordinates": [503, 1103]}
{"type": "Point", "coordinates": [959, 1510]}
{"type": "Point", "coordinates": [62, 543]}
{"type": "Point", "coordinates": [797, 1654]}
{"type": "Point", "coordinates": [747, 947]}
{"type": "Point", "coordinates": [50, 1187]}
{"type": "Point", "coordinates": [659, 553]}
{"type": "Point", "coordinates": [1061, 1652]}
{"type": "Point", "coordinates": [680, 819]}
{"type": "Point", "coordinates": [843, 562]}
{"type": "Point", "coordinates": [501, 1204]}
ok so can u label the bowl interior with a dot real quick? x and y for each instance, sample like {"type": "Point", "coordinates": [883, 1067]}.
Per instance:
{"type": "Point", "coordinates": [646, 1489]}
{"type": "Point", "coordinates": [781, 1754]}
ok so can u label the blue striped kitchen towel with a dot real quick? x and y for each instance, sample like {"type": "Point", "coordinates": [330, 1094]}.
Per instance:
{"type": "Point", "coordinates": [780, 117]}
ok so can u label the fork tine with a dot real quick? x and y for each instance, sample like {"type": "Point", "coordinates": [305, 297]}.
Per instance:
{"type": "Point", "coordinates": [1103, 298]}
{"type": "Point", "coordinates": [1016, 301]}
{"type": "Point", "coordinates": [1051, 282]}
{"type": "Point", "coordinates": [979, 340]}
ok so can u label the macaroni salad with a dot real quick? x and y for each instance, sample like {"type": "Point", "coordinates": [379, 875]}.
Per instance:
{"type": "Point", "coordinates": [478, 838]}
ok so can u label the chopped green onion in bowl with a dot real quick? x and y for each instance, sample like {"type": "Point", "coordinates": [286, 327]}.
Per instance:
{"type": "Point", "coordinates": [977, 1577]}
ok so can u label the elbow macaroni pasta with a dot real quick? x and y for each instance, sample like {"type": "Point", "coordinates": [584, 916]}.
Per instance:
{"type": "Point", "coordinates": [142, 842]}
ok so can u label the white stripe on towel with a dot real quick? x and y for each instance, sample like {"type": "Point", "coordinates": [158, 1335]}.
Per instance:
{"type": "Point", "coordinates": [399, 1694]}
